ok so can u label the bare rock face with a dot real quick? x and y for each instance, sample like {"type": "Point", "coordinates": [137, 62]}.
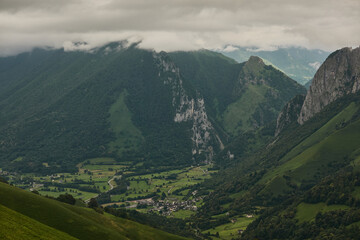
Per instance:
{"type": "Point", "coordinates": [189, 109]}
{"type": "Point", "coordinates": [290, 113]}
{"type": "Point", "coordinates": [339, 75]}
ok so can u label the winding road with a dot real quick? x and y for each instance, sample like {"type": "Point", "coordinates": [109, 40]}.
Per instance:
{"type": "Point", "coordinates": [110, 184]}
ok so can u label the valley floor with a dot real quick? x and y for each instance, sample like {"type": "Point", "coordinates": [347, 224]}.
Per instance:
{"type": "Point", "coordinates": [169, 193]}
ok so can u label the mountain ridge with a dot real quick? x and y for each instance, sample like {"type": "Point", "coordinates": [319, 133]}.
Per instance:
{"type": "Point", "coordinates": [161, 95]}
{"type": "Point", "coordinates": [282, 183]}
{"type": "Point", "coordinates": [338, 76]}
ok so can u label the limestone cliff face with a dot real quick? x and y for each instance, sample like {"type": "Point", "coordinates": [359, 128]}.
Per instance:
{"type": "Point", "coordinates": [338, 75]}
{"type": "Point", "coordinates": [189, 109]}
{"type": "Point", "coordinates": [290, 113]}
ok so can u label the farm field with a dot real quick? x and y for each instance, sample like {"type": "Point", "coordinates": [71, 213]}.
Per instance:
{"type": "Point", "coordinates": [92, 178]}
{"type": "Point", "coordinates": [168, 182]}
{"type": "Point", "coordinates": [98, 176]}
{"type": "Point", "coordinates": [230, 230]}
{"type": "Point", "coordinates": [307, 211]}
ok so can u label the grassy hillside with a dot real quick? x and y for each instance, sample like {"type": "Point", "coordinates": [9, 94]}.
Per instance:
{"type": "Point", "coordinates": [327, 210]}
{"type": "Point", "coordinates": [81, 223]}
{"type": "Point", "coordinates": [329, 147]}
{"type": "Point", "coordinates": [14, 225]}
{"type": "Point", "coordinates": [307, 211]}
{"type": "Point", "coordinates": [128, 137]}
{"type": "Point", "coordinates": [238, 115]}
{"type": "Point", "coordinates": [337, 122]}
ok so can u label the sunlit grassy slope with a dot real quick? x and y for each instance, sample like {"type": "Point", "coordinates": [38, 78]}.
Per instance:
{"type": "Point", "coordinates": [329, 146]}
{"type": "Point", "coordinates": [238, 114]}
{"type": "Point", "coordinates": [307, 211]}
{"type": "Point", "coordinates": [40, 215]}
{"type": "Point", "coordinates": [128, 137]}
{"type": "Point", "coordinates": [14, 225]}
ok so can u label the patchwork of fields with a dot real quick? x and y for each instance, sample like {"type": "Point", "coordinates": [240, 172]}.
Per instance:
{"type": "Point", "coordinates": [168, 192]}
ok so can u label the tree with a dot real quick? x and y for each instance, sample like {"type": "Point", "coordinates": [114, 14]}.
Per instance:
{"type": "Point", "coordinates": [93, 203]}
{"type": "Point", "coordinates": [3, 180]}
{"type": "Point", "coordinates": [66, 198]}
{"type": "Point", "coordinates": [163, 196]}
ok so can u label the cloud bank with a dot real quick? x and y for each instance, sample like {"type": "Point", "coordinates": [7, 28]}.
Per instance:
{"type": "Point", "coordinates": [179, 24]}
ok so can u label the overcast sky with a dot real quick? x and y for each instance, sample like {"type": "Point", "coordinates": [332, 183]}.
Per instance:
{"type": "Point", "coordinates": [180, 24]}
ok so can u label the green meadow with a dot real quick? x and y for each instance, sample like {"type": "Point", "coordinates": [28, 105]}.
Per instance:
{"type": "Point", "coordinates": [230, 230]}
{"type": "Point", "coordinates": [307, 211]}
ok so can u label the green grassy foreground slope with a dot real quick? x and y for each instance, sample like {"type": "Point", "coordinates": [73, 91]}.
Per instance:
{"type": "Point", "coordinates": [38, 216]}
{"type": "Point", "coordinates": [14, 225]}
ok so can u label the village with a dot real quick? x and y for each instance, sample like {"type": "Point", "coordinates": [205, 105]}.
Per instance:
{"type": "Point", "coordinates": [89, 184]}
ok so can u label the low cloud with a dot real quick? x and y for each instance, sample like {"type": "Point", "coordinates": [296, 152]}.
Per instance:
{"type": "Point", "coordinates": [179, 24]}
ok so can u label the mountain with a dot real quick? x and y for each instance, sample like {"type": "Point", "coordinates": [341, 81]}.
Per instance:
{"type": "Point", "coordinates": [338, 76]}
{"type": "Point", "coordinates": [60, 108]}
{"type": "Point", "coordinates": [304, 183]}
{"type": "Point", "coordinates": [314, 186]}
{"type": "Point", "coordinates": [162, 111]}
{"type": "Point", "coordinates": [298, 63]}
{"type": "Point", "coordinates": [239, 97]}
{"type": "Point", "coordinates": [30, 216]}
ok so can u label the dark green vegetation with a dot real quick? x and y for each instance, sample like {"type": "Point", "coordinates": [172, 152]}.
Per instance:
{"type": "Point", "coordinates": [171, 225]}
{"type": "Point", "coordinates": [298, 63]}
{"type": "Point", "coordinates": [305, 177]}
{"type": "Point", "coordinates": [327, 210]}
{"type": "Point", "coordinates": [183, 142]}
{"type": "Point", "coordinates": [61, 108]}
{"type": "Point", "coordinates": [25, 215]}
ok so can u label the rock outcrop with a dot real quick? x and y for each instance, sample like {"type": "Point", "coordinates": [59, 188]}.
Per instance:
{"type": "Point", "coordinates": [339, 75]}
{"type": "Point", "coordinates": [289, 114]}
{"type": "Point", "coordinates": [189, 109]}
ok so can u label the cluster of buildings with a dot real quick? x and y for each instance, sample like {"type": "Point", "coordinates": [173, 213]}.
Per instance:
{"type": "Point", "coordinates": [166, 207]}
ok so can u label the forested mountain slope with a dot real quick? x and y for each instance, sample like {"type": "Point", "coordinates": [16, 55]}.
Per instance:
{"type": "Point", "coordinates": [60, 108]}
{"type": "Point", "coordinates": [306, 176]}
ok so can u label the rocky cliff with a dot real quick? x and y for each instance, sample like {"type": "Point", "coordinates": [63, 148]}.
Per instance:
{"type": "Point", "coordinates": [290, 113]}
{"type": "Point", "coordinates": [339, 75]}
{"type": "Point", "coordinates": [189, 109]}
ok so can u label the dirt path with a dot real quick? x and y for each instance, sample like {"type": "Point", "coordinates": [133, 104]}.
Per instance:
{"type": "Point", "coordinates": [170, 189]}
{"type": "Point", "coordinates": [111, 187]}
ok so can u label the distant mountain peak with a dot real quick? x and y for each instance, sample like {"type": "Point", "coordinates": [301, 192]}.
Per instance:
{"type": "Point", "coordinates": [254, 65]}
{"type": "Point", "coordinates": [255, 60]}
{"type": "Point", "coordinates": [298, 63]}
